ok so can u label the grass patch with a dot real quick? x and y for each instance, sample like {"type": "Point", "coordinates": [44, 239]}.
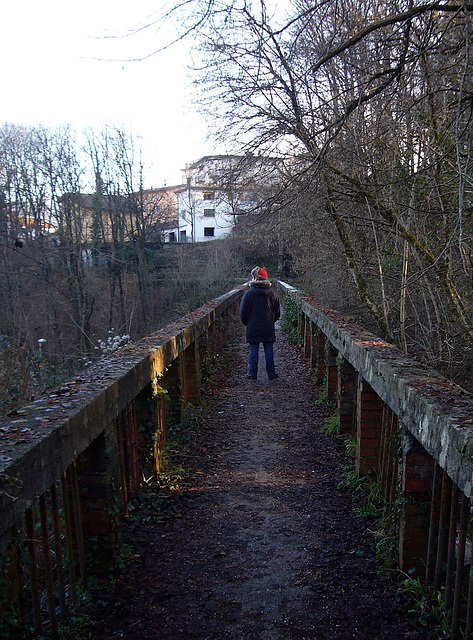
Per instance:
{"type": "Point", "coordinates": [331, 426]}
{"type": "Point", "coordinates": [427, 605]}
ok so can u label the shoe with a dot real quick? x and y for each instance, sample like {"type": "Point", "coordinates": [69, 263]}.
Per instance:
{"type": "Point", "coordinates": [250, 376]}
{"type": "Point", "coordinates": [275, 375]}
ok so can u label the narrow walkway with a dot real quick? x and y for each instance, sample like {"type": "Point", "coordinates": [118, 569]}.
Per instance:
{"type": "Point", "coordinates": [263, 546]}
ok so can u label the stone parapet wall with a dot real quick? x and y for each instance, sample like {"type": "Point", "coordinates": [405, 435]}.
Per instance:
{"type": "Point", "coordinates": [58, 428]}
{"type": "Point", "coordinates": [437, 412]}
{"type": "Point", "coordinates": [412, 432]}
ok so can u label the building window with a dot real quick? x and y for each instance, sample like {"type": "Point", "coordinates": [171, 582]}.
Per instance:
{"type": "Point", "coordinates": [183, 235]}
{"type": "Point", "coordinates": [172, 237]}
{"type": "Point", "coordinates": [209, 232]}
{"type": "Point", "coordinates": [209, 213]}
{"type": "Point", "coordinates": [209, 195]}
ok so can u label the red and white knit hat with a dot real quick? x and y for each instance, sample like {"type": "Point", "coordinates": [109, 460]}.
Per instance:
{"type": "Point", "coordinates": [259, 273]}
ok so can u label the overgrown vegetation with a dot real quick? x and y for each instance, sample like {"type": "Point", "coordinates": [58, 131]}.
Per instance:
{"type": "Point", "coordinates": [324, 401]}
{"type": "Point", "coordinates": [427, 605]}
{"type": "Point", "coordinates": [291, 319]}
{"type": "Point", "coordinates": [367, 494]}
{"type": "Point", "coordinates": [331, 426]}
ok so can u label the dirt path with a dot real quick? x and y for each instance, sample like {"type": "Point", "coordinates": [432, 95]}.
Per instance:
{"type": "Point", "coordinates": [263, 546]}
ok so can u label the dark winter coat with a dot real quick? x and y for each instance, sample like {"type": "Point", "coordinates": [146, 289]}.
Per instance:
{"type": "Point", "coordinates": [259, 310]}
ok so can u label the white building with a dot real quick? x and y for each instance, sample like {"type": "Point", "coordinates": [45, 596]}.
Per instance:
{"type": "Point", "coordinates": [203, 214]}
{"type": "Point", "coordinates": [217, 189]}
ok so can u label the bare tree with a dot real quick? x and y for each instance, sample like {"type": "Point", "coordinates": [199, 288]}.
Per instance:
{"type": "Point", "coordinates": [375, 102]}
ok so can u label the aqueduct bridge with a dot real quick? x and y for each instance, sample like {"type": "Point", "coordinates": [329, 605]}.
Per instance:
{"type": "Point", "coordinates": [70, 462]}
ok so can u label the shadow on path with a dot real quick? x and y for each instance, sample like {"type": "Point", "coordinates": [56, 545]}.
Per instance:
{"type": "Point", "coordinates": [263, 546]}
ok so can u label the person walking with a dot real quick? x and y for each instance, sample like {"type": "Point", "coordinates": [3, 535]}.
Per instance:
{"type": "Point", "coordinates": [259, 310]}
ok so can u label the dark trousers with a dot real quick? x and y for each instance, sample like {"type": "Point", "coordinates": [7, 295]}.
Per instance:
{"type": "Point", "coordinates": [254, 358]}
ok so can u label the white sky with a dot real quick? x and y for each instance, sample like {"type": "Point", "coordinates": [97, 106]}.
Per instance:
{"type": "Point", "coordinates": [53, 71]}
